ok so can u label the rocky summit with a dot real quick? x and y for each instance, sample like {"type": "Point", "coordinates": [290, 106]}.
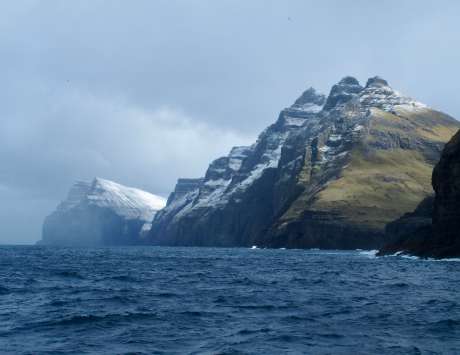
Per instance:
{"type": "Point", "coordinates": [331, 172]}
{"type": "Point", "coordinates": [101, 213]}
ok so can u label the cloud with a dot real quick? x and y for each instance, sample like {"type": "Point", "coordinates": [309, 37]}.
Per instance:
{"type": "Point", "coordinates": [78, 135]}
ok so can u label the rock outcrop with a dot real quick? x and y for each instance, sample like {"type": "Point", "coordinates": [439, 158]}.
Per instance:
{"type": "Point", "coordinates": [433, 229]}
{"type": "Point", "coordinates": [101, 213]}
{"type": "Point", "coordinates": [446, 214]}
{"type": "Point", "coordinates": [331, 172]}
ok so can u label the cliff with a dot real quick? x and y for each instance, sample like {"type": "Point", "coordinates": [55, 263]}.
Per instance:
{"type": "Point", "coordinates": [331, 172]}
{"type": "Point", "coordinates": [433, 229]}
{"type": "Point", "coordinates": [101, 213]}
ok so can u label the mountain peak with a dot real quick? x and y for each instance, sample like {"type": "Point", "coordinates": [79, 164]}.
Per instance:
{"type": "Point", "coordinates": [343, 91]}
{"type": "Point", "coordinates": [348, 80]}
{"type": "Point", "coordinates": [376, 81]}
{"type": "Point", "coordinates": [310, 96]}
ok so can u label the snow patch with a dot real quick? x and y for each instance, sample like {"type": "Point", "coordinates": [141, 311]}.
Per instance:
{"type": "Point", "coordinates": [218, 182]}
{"type": "Point", "coordinates": [294, 121]}
{"type": "Point", "coordinates": [387, 99]}
{"type": "Point", "coordinates": [308, 108]}
{"type": "Point", "coordinates": [128, 202]}
{"type": "Point", "coordinates": [335, 137]}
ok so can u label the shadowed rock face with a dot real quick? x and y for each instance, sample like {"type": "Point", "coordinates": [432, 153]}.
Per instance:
{"type": "Point", "coordinates": [412, 231]}
{"type": "Point", "coordinates": [329, 173]}
{"type": "Point", "coordinates": [101, 213]}
{"type": "Point", "coordinates": [433, 229]}
{"type": "Point", "coordinates": [446, 214]}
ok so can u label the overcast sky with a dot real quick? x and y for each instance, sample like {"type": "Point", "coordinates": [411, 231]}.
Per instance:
{"type": "Point", "coordinates": [144, 92]}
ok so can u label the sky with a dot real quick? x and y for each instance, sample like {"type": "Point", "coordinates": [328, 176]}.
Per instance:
{"type": "Point", "coordinates": [144, 92]}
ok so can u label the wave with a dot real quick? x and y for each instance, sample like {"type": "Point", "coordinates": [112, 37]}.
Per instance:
{"type": "Point", "coordinates": [446, 325]}
{"type": "Point", "coordinates": [399, 285]}
{"type": "Point", "coordinates": [456, 260]}
{"type": "Point", "coordinates": [407, 256]}
{"type": "Point", "coordinates": [69, 274]}
{"type": "Point", "coordinates": [125, 278]}
{"type": "Point", "coordinates": [372, 254]}
{"type": "Point", "coordinates": [90, 318]}
{"type": "Point", "coordinates": [253, 331]}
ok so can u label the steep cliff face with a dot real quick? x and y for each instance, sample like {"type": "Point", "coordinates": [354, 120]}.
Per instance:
{"type": "Point", "coordinates": [330, 173]}
{"type": "Point", "coordinates": [446, 214]}
{"type": "Point", "coordinates": [433, 229]}
{"type": "Point", "coordinates": [101, 213]}
{"type": "Point", "coordinates": [411, 232]}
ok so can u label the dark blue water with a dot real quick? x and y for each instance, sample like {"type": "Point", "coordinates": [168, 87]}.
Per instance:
{"type": "Point", "coordinates": [225, 301]}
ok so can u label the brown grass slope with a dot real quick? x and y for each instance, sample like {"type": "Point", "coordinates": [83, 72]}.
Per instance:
{"type": "Point", "coordinates": [386, 174]}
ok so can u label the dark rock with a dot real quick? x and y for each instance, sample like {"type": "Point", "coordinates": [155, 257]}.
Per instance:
{"type": "Point", "coordinates": [183, 187]}
{"type": "Point", "coordinates": [446, 184]}
{"type": "Point", "coordinates": [310, 96]}
{"type": "Point", "coordinates": [342, 92]}
{"type": "Point", "coordinates": [411, 231]}
{"type": "Point", "coordinates": [376, 81]}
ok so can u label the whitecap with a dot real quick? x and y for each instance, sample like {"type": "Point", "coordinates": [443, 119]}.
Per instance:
{"type": "Point", "coordinates": [411, 257]}
{"type": "Point", "coordinates": [447, 259]}
{"type": "Point", "coordinates": [369, 253]}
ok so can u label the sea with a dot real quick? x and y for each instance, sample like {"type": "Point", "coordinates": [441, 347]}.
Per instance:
{"type": "Point", "coordinates": [161, 300]}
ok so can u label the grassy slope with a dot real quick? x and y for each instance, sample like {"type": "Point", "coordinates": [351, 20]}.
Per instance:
{"type": "Point", "coordinates": [379, 185]}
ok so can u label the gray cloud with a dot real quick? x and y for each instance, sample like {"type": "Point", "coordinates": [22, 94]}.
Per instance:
{"type": "Point", "coordinates": [144, 92]}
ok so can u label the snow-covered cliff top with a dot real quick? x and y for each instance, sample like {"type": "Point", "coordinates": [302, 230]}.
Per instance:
{"type": "Point", "coordinates": [128, 202]}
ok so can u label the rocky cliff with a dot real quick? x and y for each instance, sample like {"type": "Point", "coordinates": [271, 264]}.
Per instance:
{"type": "Point", "coordinates": [331, 172]}
{"type": "Point", "coordinates": [433, 229]}
{"type": "Point", "coordinates": [101, 213]}
{"type": "Point", "coordinates": [446, 214]}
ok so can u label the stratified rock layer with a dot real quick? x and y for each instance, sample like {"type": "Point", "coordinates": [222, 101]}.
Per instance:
{"type": "Point", "coordinates": [330, 173]}
{"type": "Point", "coordinates": [101, 213]}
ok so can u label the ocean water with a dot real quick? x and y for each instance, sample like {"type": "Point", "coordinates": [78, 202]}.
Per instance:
{"type": "Point", "coordinates": [153, 300]}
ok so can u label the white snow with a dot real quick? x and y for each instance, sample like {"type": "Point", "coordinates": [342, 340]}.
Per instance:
{"type": "Point", "coordinates": [218, 182]}
{"type": "Point", "coordinates": [235, 164]}
{"type": "Point", "coordinates": [240, 152]}
{"type": "Point", "coordinates": [387, 99]}
{"type": "Point", "coordinates": [308, 107]}
{"type": "Point", "coordinates": [146, 227]}
{"type": "Point", "coordinates": [236, 157]}
{"type": "Point", "coordinates": [126, 201]}
{"type": "Point", "coordinates": [335, 137]}
{"type": "Point", "coordinates": [411, 107]}
{"type": "Point", "coordinates": [217, 192]}
{"type": "Point", "coordinates": [294, 121]}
